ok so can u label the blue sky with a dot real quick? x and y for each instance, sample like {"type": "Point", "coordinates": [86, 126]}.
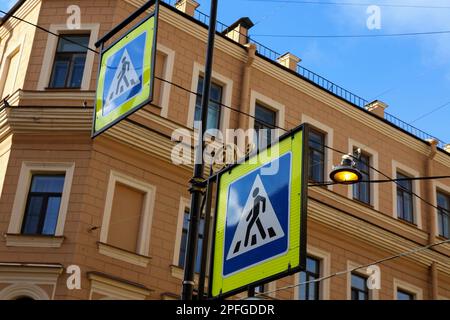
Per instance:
{"type": "Point", "coordinates": [410, 74]}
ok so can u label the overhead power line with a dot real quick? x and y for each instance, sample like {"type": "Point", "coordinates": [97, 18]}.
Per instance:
{"type": "Point", "coordinates": [431, 112]}
{"type": "Point", "coordinates": [376, 262]}
{"type": "Point", "coordinates": [50, 32]}
{"type": "Point", "coordinates": [358, 4]}
{"type": "Point", "coordinates": [385, 35]}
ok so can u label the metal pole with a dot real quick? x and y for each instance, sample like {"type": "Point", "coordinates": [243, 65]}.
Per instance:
{"type": "Point", "coordinates": [197, 181]}
{"type": "Point", "coordinates": [202, 277]}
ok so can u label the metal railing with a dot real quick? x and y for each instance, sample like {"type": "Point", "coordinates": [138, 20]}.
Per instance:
{"type": "Point", "coordinates": [320, 81]}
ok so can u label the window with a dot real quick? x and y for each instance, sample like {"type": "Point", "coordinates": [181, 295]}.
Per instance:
{"type": "Point", "coordinates": [310, 291]}
{"type": "Point", "coordinates": [359, 289]}
{"type": "Point", "coordinates": [316, 155]}
{"type": "Point", "coordinates": [184, 239]}
{"type": "Point", "coordinates": [264, 119]}
{"type": "Point", "coordinates": [361, 190]}
{"type": "Point", "coordinates": [215, 98]}
{"type": "Point", "coordinates": [43, 203]}
{"type": "Point", "coordinates": [404, 295]}
{"type": "Point", "coordinates": [443, 203]}
{"type": "Point", "coordinates": [69, 62]}
{"type": "Point", "coordinates": [405, 207]}
{"type": "Point", "coordinates": [126, 216]}
{"type": "Point", "coordinates": [127, 219]}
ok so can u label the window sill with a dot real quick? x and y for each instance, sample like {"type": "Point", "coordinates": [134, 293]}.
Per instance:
{"type": "Point", "coordinates": [124, 255]}
{"type": "Point", "coordinates": [412, 224]}
{"type": "Point", "coordinates": [365, 204]}
{"type": "Point", "coordinates": [178, 273]}
{"type": "Point", "coordinates": [36, 241]}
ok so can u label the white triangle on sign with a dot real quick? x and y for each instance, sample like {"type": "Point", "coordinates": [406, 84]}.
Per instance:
{"type": "Point", "coordinates": [125, 79]}
{"type": "Point", "coordinates": [253, 232]}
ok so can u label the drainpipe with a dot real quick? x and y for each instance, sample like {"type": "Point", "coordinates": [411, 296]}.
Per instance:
{"type": "Point", "coordinates": [431, 212]}
{"type": "Point", "coordinates": [434, 281]}
{"type": "Point", "coordinates": [245, 95]}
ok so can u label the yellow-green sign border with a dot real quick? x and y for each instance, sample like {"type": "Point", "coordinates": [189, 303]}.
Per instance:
{"type": "Point", "coordinates": [296, 142]}
{"type": "Point", "coordinates": [146, 96]}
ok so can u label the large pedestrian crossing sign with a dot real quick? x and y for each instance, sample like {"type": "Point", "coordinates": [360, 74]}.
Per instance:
{"type": "Point", "coordinates": [125, 80]}
{"type": "Point", "coordinates": [260, 231]}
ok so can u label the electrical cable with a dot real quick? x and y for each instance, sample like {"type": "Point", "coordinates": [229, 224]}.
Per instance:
{"type": "Point", "coordinates": [376, 262]}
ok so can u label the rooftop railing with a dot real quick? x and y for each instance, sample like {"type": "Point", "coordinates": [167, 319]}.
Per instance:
{"type": "Point", "coordinates": [322, 82]}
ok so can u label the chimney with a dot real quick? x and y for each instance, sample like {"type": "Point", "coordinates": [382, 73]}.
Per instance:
{"type": "Point", "coordinates": [238, 31]}
{"type": "Point", "coordinates": [289, 61]}
{"type": "Point", "coordinates": [187, 6]}
{"type": "Point", "coordinates": [447, 148]}
{"type": "Point", "coordinates": [377, 107]}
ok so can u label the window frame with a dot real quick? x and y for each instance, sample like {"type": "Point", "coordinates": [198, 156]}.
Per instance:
{"type": "Point", "coordinates": [358, 186]}
{"type": "Point", "coordinates": [219, 108]}
{"type": "Point", "coordinates": [441, 213]}
{"type": "Point", "coordinates": [44, 205]}
{"type": "Point", "coordinates": [374, 188]}
{"type": "Point", "coordinates": [417, 209]}
{"type": "Point", "coordinates": [72, 56]}
{"type": "Point", "coordinates": [258, 98]}
{"type": "Point", "coordinates": [329, 141]}
{"type": "Point", "coordinates": [323, 154]}
{"type": "Point", "coordinates": [227, 90]}
{"type": "Point", "coordinates": [407, 287]}
{"type": "Point", "coordinates": [325, 269]}
{"type": "Point", "coordinates": [23, 186]}
{"type": "Point", "coordinates": [315, 275]}
{"type": "Point", "coordinates": [264, 125]}
{"type": "Point", "coordinates": [401, 191]}
{"type": "Point", "coordinates": [50, 53]}
{"type": "Point", "coordinates": [351, 265]}
{"type": "Point", "coordinates": [353, 289]}
{"type": "Point", "coordinates": [140, 257]}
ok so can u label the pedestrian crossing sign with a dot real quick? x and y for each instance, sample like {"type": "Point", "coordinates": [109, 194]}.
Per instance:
{"type": "Point", "coordinates": [125, 79]}
{"type": "Point", "coordinates": [260, 230]}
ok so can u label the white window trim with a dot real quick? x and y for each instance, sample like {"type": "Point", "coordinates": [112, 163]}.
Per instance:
{"type": "Point", "coordinates": [329, 138]}
{"type": "Point", "coordinates": [167, 74]}
{"type": "Point", "coordinates": [256, 97]}
{"type": "Point", "coordinates": [14, 48]}
{"type": "Point", "coordinates": [50, 51]}
{"type": "Point", "coordinates": [115, 290]}
{"type": "Point", "coordinates": [23, 187]}
{"type": "Point", "coordinates": [143, 245]}
{"type": "Point", "coordinates": [184, 203]}
{"type": "Point", "coordinates": [402, 285]}
{"type": "Point", "coordinates": [227, 91]}
{"type": "Point", "coordinates": [325, 270]}
{"type": "Point", "coordinates": [18, 290]}
{"type": "Point", "coordinates": [397, 166]}
{"type": "Point", "coordinates": [373, 293]}
{"type": "Point", "coordinates": [445, 189]}
{"type": "Point", "coordinates": [374, 192]}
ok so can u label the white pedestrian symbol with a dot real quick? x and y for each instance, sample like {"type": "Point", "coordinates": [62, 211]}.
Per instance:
{"type": "Point", "coordinates": [124, 80]}
{"type": "Point", "coordinates": [258, 223]}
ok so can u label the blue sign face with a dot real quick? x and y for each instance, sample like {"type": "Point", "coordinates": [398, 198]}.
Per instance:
{"type": "Point", "coordinates": [257, 217]}
{"type": "Point", "coordinates": [124, 74]}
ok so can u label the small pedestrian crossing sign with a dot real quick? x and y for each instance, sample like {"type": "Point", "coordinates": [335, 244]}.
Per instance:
{"type": "Point", "coordinates": [258, 224]}
{"type": "Point", "coordinates": [125, 81]}
{"type": "Point", "coordinates": [260, 231]}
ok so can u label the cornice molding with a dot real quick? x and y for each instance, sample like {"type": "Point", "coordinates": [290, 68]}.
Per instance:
{"type": "Point", "coordinates": [22, 12]}
{"type": "Point", "coordinates": [373, 235]}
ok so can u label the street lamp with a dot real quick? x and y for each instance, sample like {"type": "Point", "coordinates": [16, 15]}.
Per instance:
{"type": "Point", "coordinates": [346, 172]}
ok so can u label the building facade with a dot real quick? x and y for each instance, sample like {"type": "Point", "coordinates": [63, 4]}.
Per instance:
{"type": "Point", "coordinates": [117, 206]}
